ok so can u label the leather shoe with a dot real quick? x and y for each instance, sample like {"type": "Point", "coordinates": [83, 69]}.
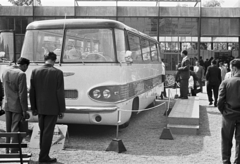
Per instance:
{"type": "Point", "coordinates": [210, 103]}
{"type": "Point", "coordinates": [50, 160]}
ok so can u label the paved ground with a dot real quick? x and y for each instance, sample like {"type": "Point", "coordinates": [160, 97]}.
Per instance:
{"type": "Point", "coordinates": [87, 144]}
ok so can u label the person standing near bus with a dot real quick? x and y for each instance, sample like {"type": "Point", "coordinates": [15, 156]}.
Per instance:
{"type": "Point", "coordinates": [198, 69]}
{"type": "Point", "coordinates": [184, 75]}
{"type": "Point", "coordinates": [229, 106]}
{"type": "Point", "coordinates": [213, 77]}
{"type": "Point", "coordinates": [48, 101]}
{"type": "Point", "coordinates": [229, 74]}
{"type": "Point", "coordinates": [223, 70]}
{"type": "Point", "coordinates": [15, 101]}
{"type": "Point", "coordinates": [163, 93]}
{"type": "Point", "coordinates": [2, 112]}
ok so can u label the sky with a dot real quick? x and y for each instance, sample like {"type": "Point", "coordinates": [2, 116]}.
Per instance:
{"type": "Point", "coordinates": [226, 3]}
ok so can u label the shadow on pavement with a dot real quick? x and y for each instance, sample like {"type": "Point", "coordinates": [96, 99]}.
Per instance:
{"type": "Point", "coordinates": [204, 129]}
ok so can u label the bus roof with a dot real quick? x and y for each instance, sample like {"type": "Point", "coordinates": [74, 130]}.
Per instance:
{"type": "Point", "coordinates": [81, 23]}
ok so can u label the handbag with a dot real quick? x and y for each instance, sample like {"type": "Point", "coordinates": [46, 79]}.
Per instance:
{"type": "Point", "coordinates": [23, 126]}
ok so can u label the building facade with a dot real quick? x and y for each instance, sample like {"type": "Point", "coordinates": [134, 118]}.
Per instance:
{"type": "Point", "coordinates": [206, 32]}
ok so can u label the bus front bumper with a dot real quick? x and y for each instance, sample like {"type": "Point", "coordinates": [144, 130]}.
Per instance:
{"type": "Point", "coordinates": [88, 109]}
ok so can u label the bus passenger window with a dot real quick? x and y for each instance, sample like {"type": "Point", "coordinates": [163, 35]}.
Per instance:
{"type": "Point", "coordinates": [145, 49]}
{"type": "Point", "coordinates": [154, 54]}
{"type": "Point", "coordinates": [134, 43]}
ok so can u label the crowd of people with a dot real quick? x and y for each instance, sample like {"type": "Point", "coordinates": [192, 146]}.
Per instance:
{"type": "Point", "coordinates": [222, 83]}
{"type": "Point", "coordinates": [46, 98]}
{"type": "Point", "coordinates": [192, 78]}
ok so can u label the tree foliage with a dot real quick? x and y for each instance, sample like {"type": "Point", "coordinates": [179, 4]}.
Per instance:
{"type": "Point", "coordinates": [213, 3]}
{"type": "Point", "coordinates": [24, 2]}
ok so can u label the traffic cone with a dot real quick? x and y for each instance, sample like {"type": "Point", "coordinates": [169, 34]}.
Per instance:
{"type": "Point", "coordinates": [117, 146]}
{"type": "Point", "coordinates": [166, 134]}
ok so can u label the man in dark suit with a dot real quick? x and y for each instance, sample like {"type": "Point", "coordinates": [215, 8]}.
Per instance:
{"type": "Point", "coordinates": [229, 106]}
{"type": "Point", "coordinates": [15, 101]}
{"type": "Point", "coordinates": [47, 100]}
{"type": "Point", "coordinates": [183, 73]}
{"type": "Point", "coordinates": [2, 112]}
{"type": "Point", "coordinates": [213, 77]}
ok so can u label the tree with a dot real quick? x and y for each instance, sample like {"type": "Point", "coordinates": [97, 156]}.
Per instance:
{"type": "Point", "coordinates": [25, 2]}
{"type": "Point", "coordinates": [213, 3]}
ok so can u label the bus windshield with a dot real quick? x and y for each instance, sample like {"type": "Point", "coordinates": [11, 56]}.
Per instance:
{"type": "Point", "coordinates": [78, 45]}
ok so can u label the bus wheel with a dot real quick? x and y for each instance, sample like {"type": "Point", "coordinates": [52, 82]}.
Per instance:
{"type": "Point", "coordinates": [135, 107]}
{"type": "Point", "coordinates": [124, 125]}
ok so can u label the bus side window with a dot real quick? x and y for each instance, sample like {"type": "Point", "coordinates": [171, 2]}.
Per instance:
{"type": "Point", "coordinates": [145, 49]}
{"type": "Point", "coordinates": [134, 44]}
{"type": "Point", "coordinates": [154, 54]}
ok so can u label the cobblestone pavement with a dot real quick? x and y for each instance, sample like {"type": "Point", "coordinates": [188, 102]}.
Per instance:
{"type": "Point", "coordinates": [87, 144]}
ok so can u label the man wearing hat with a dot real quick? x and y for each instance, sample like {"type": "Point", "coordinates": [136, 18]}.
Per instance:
{"type": "Point", "coordinates": [229, 106]}
{"type": "Point", "coordinates": [15, 101]}
{"type": "Point", "coordinates": [48, 101]}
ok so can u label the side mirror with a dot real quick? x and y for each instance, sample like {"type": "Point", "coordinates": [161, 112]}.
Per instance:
{"type": "Point", "coordinates": [128, 57]}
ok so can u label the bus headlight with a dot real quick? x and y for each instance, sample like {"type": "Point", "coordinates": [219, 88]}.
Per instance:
{"type": "Point", "coordinates": [106, 94]}
{"type": "Point", "coordinates": [96, 93]}
{"type": "Point", "coordinates": [109, 93]}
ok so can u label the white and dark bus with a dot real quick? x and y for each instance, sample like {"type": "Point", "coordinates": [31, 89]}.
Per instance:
{"type": "Point", "coordinates": [107, 66]}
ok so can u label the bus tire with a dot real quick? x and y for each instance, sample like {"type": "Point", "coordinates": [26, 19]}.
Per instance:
{"type": "Point", "coordinates": [124, 125]}
{"type": "Point", "coordinates": [135, 106]}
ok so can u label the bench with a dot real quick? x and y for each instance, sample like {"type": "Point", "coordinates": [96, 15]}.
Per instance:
{"type": "Point", "coordinates": [14, 157]}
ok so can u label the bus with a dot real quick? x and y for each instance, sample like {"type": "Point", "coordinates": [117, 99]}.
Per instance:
{"type": "Point", "coordinates": [107, 66]}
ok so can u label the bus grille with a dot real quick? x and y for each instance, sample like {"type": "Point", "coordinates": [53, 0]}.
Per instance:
{"type": "Point", "coordinates": [124, 90]}
{"type": "Point", "coordinates": [71, 94]}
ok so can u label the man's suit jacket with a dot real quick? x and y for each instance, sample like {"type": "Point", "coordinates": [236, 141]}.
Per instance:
{"type": "Point", "coordinates": [228, 98]}
{"type": "Point", "coordinates": [213, 75]}
{"type": "Point", "coordinates": [47, 90]}
{"type": "Point", "coordinates": [15, 90]}
{"type": "Point", "coordinates": [1, 92]}
{"type": "Point", "coordinates": [183, 70]}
